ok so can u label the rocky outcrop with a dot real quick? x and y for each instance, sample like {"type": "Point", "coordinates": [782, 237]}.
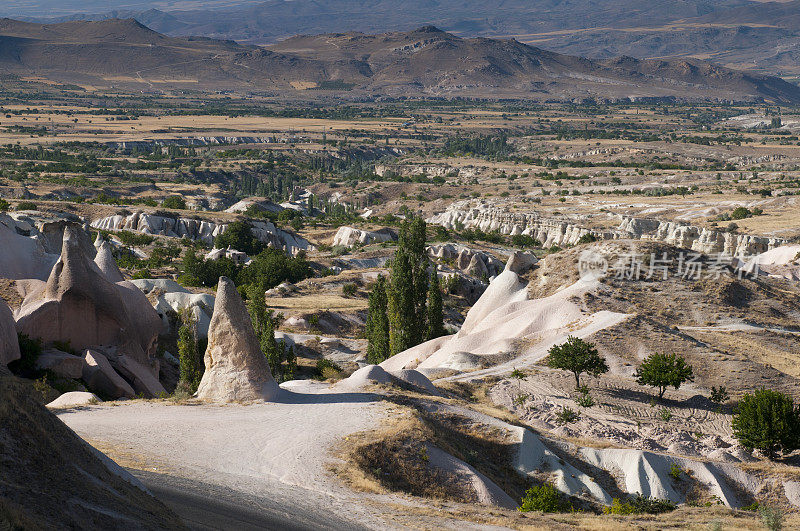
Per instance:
{"type": "Point", "coordinates": [520, 262]}
{"type": "Point", "coordinates": [9, 346]}
{"type": "Point", "coordinates": [105, 261]}
{"type": "Point", "coordinates": [236, 369]}
{"type": "Point", "coordinates": [472, 262]}
{"type": "Point", "coordinates": [22, 253]}
{"type": "Point", "coordinates": [196, 229]}
{"type": "Point", "coordinates": [549, 231]}
{"type": "Point", "coordinates": [563, 232]}
{"type": "Point", "coordinates": [697, 239]}
{"type": "Point", "coordinates": [79, 305]}
{"type": "Point", "coordinates": [349, 236]}
{"type": "Point", "coordinates": [168, 298]}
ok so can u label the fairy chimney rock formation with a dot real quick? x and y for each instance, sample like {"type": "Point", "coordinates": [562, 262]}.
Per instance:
{"type": "Point", "coordinates": [236, 369]}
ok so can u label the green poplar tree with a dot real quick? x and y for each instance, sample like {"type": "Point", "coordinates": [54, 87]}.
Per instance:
{"type": "Point", "coordinates": [402, 304]}
{"type": "Point", "coordinates": [378, 323]}
{"type": "Point", "coordinates": [191, 367]}
{"type": "Point", "coordinates": [435, 310]}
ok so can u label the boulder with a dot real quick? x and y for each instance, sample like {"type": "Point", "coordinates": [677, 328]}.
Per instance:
{"type": "Point", "coordinates": [9, 346]}
{"type": "Point", "coordinates": [141, 378]}
{"type": "Point", "coordinates": [236, 369]}
{"type": "Point", "coordinates": [74, 399]}
{"type": "Point", "coordinates": [61, 363]}
{"type": "Point", "coordinates": [99, 376]}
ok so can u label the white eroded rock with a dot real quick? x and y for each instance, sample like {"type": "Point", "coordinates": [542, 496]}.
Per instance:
{"type": "Point", "coordinates": [74, 399]}
{"type": "Point", "coordinates": [349, 236]}
{"type": "Point", "coordinates": [236, 369]}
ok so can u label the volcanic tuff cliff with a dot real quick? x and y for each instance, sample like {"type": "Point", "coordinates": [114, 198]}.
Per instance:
{"type": "Point", "coordinates": [196, 229]}
{"type": "Point", "coordinates": [563, 232]}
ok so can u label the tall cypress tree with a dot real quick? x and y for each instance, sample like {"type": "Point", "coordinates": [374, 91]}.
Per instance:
{"type": "Point", "coordinates": [412, 244]}
{"type": "Point", "coordinates": [191, 366]}
{"type": "Point", "coordinates": [402, 304]}
{"type": "Point", "coordinates": [408, 289]}
{"type": "Point", "coordinates": [378, 323]}
{"type": "Point", "coordinates": [435, 309]}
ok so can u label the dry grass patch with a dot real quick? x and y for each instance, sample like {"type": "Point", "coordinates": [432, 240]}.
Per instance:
{"type": "Point", "coordinates": [394, 457]}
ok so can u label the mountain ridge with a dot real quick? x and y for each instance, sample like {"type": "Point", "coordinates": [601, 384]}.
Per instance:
{"type": "Point", "coordinates": [423, 62]}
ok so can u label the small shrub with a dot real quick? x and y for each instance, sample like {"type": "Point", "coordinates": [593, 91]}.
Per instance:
{"type": "Point", "coordinates": [349, 289]}
{"type": "Point", "coordinates": [26, 205]}
{"type": "Point", "coordinates": [585, 399]}
{"type": "Point", "coordinates": [545, 498]}
{"type": "Point", "coordinates": [675, 472]}
{"type": "Point", "coordinates": [772, 517]}
{"type": "Point", "coordinates": [566, 416]}
{"type": "Point", "coordinates": [719, 395]}
{"type": "Point", "coordinates": [4, 205]}
{"type": "Point", "coordinates": [639, 504]}
{"type": "Point", "coordinates": [665, 415]}
{"type": "Point", "coordinates": [520, 399]}
{"type": "Point", "coordinates": [741, 213]}
{"type": "Point", "coordinates": [752, 507]}
{"type": "Point", "coordinates": [327, 369]}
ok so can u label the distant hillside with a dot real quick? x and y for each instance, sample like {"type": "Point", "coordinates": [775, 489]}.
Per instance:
{"type": "Point", "coordinates": [743, 34]}
{"type": "Point", "coordinates": [423, 62]}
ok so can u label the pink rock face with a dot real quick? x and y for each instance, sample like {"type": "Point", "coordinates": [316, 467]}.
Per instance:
{"type": "Point", "coordinates": [9, 346]}
{"type": "Point", "coordinates": [80, 305]}
{"type": "Point", "coordinates": [236, 369]}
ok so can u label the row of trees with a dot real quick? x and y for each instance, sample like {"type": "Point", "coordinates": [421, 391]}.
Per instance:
{"type": "Point", "coordinates": [407, 309]}
{"type": "Point", "coordinates": [658, 370]}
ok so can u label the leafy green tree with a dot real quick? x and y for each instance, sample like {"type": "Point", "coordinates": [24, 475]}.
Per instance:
{"type": "Point", "coordinates": [191, 366]}
{"type": "Point", "coordinates": [662, 371]}
{"type": "Point", "coordinates": [174, 202]}
{"type": "Point", "coordinates": [577, 356]}
{"type": "Point", "coordinates": [769, 421]}
{"type": "Point", "coordinates": [378, 323]}
{"type": "Point", "coordinates": [238, 235]}
{"type": "Point", "coordinates": [435, 318]}
{"type": "Point", "coordinates": [282, 360]}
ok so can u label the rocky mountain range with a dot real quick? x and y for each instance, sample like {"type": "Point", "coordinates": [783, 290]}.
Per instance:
{"type": "Point", "coordinates": [744, 34]}
{"type": "Point", "coordinates": [422, 62]}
